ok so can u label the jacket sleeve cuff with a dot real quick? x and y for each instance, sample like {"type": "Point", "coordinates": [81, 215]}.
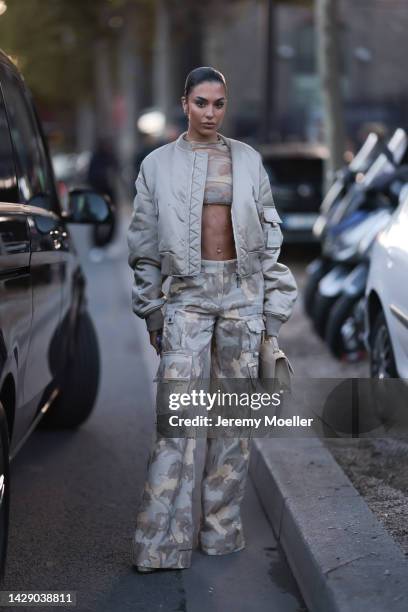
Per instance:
{"type": "Point", "coordinates": [273, 325]}
{"type": "Point", "coordinates": [155, 320]}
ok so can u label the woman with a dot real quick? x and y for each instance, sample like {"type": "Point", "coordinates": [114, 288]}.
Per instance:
{"type": "Point", "coordinates": [203, 215]}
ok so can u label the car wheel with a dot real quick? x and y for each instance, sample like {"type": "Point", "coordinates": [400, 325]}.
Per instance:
{"type": "Point", "coordinates": [4, 490]}
{"type": "Point", "coordinates": [311, 285]}
{"type": "Point", "coordinates": [80, 380]}
{"type": "Point", "coordinates": [382, 360]}
{"type": "Point", "coordinates": [342, 331]}
{"type": "Point", "coordinates": [390, 396]}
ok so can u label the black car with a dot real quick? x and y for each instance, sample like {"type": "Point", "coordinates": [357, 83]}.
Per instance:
{"type": "Point", "coordinates": [296, 171]}
{"type": "Point", "coordinates": [49, 356]}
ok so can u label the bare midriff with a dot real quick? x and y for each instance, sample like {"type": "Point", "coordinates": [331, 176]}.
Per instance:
{"type": "Point", "coordinates": [217, 238]}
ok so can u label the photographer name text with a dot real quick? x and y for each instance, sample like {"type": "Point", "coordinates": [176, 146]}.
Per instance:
{"type": "Point", "coordinates": [267, 421]}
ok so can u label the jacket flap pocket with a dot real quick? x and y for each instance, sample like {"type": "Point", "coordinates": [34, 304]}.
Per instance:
{"type": "Point", "coordinates": [174, 365]}
{"type": "Point", "coordinates": [256, 325]}
{"type": "Point", "coordinates": [274, 237]}
{"type": "Point", "coordinates": [271, 215]}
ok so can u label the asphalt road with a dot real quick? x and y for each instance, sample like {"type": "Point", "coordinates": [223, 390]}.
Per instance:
{"type": "Point", "coordinates": [74, 495]}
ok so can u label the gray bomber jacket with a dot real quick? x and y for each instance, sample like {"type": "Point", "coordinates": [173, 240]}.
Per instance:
{"type": "Point", "coordinates": [164, 236]}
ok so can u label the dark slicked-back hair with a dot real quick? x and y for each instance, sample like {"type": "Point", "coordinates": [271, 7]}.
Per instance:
{"type": "Point", "coordinates": [201, 74]}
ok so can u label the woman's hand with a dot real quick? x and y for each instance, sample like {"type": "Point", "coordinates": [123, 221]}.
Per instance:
{"type": "Point", "coordinates": [273, 340]}
{"type": "Point", "coordinates": [156, 340]}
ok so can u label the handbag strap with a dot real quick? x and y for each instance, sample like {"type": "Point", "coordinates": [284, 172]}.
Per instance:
{"type": "Point", "coordinates": [279, 354]}
{"type": "Point", "coordinates": [272, 340]}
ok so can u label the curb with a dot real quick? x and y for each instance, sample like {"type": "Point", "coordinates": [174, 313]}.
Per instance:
{"type": "Point", "coordinates": [341, 556]}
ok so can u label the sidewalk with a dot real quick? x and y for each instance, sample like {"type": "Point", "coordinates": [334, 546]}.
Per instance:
{"type": "Point", "coordinates": [341, 556]}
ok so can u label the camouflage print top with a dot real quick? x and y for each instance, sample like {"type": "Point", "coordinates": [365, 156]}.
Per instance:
{"type": "Point", "coordinates": [218, 184]}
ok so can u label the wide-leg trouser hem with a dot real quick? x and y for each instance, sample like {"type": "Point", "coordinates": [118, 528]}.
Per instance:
{"type": "Point", "coordinates": [218, 551]}
{"type": "Point", "coordinates": [213, 544]}
{"type": "Point", "coordinates": [179, 559]}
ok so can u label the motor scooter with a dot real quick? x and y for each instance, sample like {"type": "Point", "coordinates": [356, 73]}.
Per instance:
{"type": "Point", "coordinates": [344, 179]}
{"type": "Point", "coordinates": [349, 235]}
{"type": "Point", "coordinates": [341, 291]}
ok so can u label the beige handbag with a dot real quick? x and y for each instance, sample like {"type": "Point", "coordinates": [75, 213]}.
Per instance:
{"type": "Point", "coordinates": [275, 369]}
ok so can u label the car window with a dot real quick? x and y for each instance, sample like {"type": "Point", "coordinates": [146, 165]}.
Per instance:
{"type": "Point", "coordinates": [34, 178]}
{"type": "Point", "coordinates": [8, 179]}
{"type": "Point", "coordinates": [287, 170]}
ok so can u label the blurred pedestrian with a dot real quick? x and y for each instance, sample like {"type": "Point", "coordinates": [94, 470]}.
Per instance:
{"type": "Point", "coordinates": [203, 215]}
{"type": "Point", "coordinates": [149, 143]}
{"type": "Point", "coordinates": [102, 175]}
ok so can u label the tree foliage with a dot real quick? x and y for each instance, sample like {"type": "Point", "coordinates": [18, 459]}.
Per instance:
{"type": "Point", "coordinates": [53, 43]}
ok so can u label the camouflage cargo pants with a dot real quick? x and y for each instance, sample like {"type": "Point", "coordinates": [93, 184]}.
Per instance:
{"type": "Point", "coordinates": [213, 326]}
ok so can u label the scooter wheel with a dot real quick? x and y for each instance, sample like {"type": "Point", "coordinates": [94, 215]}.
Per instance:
{"type": "Point", "coordinates": [341, 311]}
{"type": "Point", "coordinates": [311, 285]}
{"type": "Point", "coordinates": [321, 309]}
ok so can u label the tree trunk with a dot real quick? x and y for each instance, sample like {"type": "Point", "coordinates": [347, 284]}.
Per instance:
{"type": "Point", "coordinates": [267, 123]}
{"type": "Point", "coordinates": [85, 126]}
{"type": "Point", "coordinates": [130, 84]}
{"type": "Point", "coordinates": [162, 60]}
{"type": "Point", "coordinates": [328, 52]}
{"type": "Point", "coordinates": [103, 89]}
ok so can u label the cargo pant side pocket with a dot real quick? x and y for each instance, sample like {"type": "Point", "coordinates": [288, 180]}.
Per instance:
{"type": "Point", "coordinates": [173, 379]}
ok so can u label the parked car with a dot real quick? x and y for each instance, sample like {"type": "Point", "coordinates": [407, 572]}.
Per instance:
{"type": "Point", "coordinates": [295, 171]}
{"type": "Point", "coordinates": [49, 356]}
{"type": "Point", "coordinates": [386, 309]}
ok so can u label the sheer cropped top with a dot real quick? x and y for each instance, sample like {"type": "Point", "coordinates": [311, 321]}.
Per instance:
{"type": "Point", "coordinates": [218, 184]}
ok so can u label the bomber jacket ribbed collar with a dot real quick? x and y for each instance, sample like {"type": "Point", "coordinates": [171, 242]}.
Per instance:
{"type": "Point", "coordinates": [187, 146]}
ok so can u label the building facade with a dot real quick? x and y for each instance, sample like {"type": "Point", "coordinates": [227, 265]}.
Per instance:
{"type": "Point", "coordinates": [233, 38]}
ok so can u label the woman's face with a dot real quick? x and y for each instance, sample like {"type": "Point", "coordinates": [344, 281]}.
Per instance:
{"type": "Point", "coordinates": [205, 109]}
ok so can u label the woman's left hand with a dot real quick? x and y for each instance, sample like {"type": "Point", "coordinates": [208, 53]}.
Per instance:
{"type": "Point", "coordinates": [272, 339]}
{"type": "Point", "coordinates": [156, 340]}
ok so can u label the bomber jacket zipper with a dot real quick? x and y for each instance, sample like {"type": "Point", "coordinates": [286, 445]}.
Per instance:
{"type": "Point", "coordinates": [190, 187]}
{"type": "Point", "coordinates": [233, 225]}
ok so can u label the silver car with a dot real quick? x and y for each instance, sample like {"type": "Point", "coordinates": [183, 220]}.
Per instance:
{"type": "Point", "coordinates": [387, 298]}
